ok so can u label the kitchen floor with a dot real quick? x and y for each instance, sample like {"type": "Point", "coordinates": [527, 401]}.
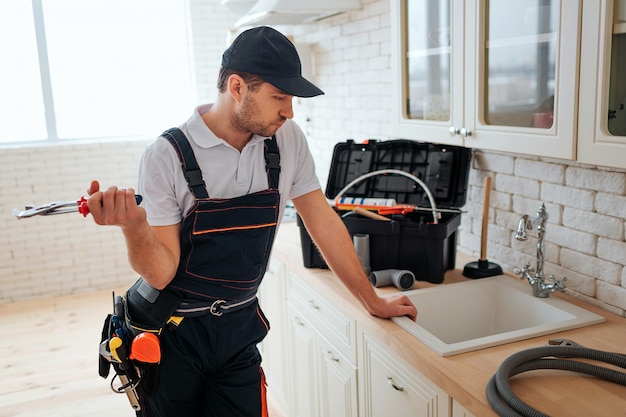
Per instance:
{"type": "Point", "coordinates": [49, 359]}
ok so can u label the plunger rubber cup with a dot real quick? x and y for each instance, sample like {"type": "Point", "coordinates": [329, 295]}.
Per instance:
{"type": "Point", "coordinates": [482, 269]}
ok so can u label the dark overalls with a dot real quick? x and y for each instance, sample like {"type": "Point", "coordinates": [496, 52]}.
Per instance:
{"type": "Point", "coordinates": [210, 364]}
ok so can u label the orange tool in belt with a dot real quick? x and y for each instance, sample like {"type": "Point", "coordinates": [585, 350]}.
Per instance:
{"type": "Point", "coordinates": [145, 348]}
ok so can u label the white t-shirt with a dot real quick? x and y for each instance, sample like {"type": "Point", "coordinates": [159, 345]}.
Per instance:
{"type": "Point", "coordinates": [227, 172]}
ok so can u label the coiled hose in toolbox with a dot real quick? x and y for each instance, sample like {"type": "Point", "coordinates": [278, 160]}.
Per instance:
{"type": "Point", "coordinates": [506, 403]}
{"type": "Point", "coordinates": [421, 183]}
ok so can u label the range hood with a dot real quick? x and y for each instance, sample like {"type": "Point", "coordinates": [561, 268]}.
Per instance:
{"type": "Point", "coordinates": [238, 7]}
{"type": "Point", "coordinates": [294, 12]}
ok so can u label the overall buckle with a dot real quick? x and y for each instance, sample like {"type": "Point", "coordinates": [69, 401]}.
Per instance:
{"type": "Point", "coordinates": [215, 307]}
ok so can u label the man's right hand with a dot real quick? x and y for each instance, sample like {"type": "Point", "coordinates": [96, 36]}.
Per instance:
{"type": "Point", "coordinates": [114, 206]}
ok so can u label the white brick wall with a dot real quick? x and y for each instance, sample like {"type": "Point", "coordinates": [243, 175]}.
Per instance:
{"type": "Point", "coordinates": [585, 231]}
{"type": "Point", "coordinates": [67, 254]}
{"type": "Point", "coordinates": [585, 238]}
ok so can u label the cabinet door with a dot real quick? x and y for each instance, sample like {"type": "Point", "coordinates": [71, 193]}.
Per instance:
{"type": "Point", "coordinates": [337, 382]}
{"type": "Point", "coordinates": [459, 411]}
{"type": "Point", "coordinates": [428, 78]}
{"type": "Point", "coordinates": [273, 300]}
{"type": "Point", "coordinates": [500, 75]}
{"type": "Point", "coordinates": [336, 327]}
{"type": "Point", "coordinates": [521, 88]}
{"type": "Point", "coordinates": [302, 360]}
{"type": "Point", "coordinates": [602, 120]}
{"type": "Point", "coordinates": [390, 387]}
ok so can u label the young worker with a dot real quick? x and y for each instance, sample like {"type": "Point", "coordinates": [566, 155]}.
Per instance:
{"type": "Point", "coordinates": [205, 232]}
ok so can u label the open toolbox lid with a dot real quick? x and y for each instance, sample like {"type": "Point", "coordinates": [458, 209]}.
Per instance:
{"type": "Point", "coordinates": [443, 168]}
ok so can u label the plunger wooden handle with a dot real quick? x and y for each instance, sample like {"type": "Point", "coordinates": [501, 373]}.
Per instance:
{"type": "Point", "coordinates": [485, 225]}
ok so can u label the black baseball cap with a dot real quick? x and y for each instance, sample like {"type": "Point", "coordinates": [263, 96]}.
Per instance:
{"type": "Point", "coordinates": [269, 54]}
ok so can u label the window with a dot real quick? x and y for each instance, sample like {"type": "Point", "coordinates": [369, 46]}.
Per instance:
{"type": "Point", "coordinates": [76, 69]}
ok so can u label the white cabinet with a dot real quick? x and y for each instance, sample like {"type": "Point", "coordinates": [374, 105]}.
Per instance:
{"type": "Point", "coordinates": [325, 366]}
{"type": "Point", "coordinates": [302, 361]}
{"type": "Point", "coordinates": [323, 355]}
{"type": "Point", "coordinates": [323, 380]}
{"type": "Point", "coordinates": [389, 386]}
{"type": "Point", "coordinates": [459, 411]}
{"type": "Point", "coordinates": [309, 355]}
{"type": "Point", "coordinates": [338, 328]}
{"type": "Point", "coordinates": [494, 75]}
{"type": "Point", "coordinates": [602, 121]}
{"type": "Point", "coordinates": [338, 382]}
{"type": "Point", "coordinates": [428, 58]}
{"type": "Point", "coordinates": [272, 299]}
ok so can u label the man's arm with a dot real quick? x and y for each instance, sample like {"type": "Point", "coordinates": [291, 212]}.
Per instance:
{"type": "Point", "coordinates": [334, 242]}
{"type": "Point", "coordinates": [153, 252]}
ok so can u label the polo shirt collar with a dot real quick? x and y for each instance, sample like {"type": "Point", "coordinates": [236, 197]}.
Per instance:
{"type": "Point", "coordinates": [203, 136]}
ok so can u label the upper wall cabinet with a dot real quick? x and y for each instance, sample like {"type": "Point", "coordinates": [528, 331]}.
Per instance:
{"type": "Point", "coordinates": [602, 120]}
{"type": "Point", "coordinates": [500, 75]}
{"type": "Point", "coordinates": [428, 58]}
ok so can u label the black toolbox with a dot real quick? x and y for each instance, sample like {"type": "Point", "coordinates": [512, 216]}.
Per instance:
{"type": "Point", "coordinates": [410, 241]}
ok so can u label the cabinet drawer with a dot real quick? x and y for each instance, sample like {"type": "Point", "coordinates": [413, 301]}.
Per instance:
{"type": "Point", "coordinates": [338, 328]}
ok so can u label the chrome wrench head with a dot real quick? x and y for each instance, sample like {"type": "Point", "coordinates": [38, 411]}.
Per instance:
{"type": "Point", "coordinates": [59, 207]}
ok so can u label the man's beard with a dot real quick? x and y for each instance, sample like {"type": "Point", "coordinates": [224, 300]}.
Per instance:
{"type": "Point", "coordinates": [247, 120]}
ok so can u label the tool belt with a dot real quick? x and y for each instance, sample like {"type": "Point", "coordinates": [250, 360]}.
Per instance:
{"type": "Point", "coordinates": [130, 336]}
{"type": "Point", "coordinates": [150, 310]}
{"type": "Point", "coordinates": [130, 341]}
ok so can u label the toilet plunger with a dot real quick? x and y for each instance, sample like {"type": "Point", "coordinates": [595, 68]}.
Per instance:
{"type": "Point", "coordinates": [483, 268]}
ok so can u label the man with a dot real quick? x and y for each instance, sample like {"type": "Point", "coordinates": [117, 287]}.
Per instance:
{"type": "Point", "coordinates": [204, 231]}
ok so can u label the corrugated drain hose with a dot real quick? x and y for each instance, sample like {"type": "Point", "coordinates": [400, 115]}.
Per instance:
{"type": "Point", "coordinates": [506, 403]}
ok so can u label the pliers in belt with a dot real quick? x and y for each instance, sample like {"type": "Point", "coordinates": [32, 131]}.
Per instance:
{"type": "Point", "coordinates": [58, 207]}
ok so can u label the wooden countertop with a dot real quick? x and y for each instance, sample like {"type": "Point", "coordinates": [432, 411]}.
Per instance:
{"type": "Point", "coordinates": [465, 376]}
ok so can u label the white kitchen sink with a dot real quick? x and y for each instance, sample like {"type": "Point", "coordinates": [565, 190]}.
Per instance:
{"type": "Point", "coordinates": [471, 315]}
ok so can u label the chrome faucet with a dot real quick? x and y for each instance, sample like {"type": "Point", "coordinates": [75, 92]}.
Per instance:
{"type": "Point", "coordinates": [535, 276]}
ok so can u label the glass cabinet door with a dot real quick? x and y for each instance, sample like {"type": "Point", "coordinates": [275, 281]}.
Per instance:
{"type": "Point", "coordinates": [520, 61]}
{"type": "Point", "coordinates": [428, 41]}
{"type": "Point", "coordinates": [489, 74]}
{"type": "Point", "coordinates": [602, 112]}
{"type": "Point", "coordinates": [523, 60]}
{"type": "Point", "coordinates": [427, 60]}
{"type": "Point", "coordinates": [617, 84]}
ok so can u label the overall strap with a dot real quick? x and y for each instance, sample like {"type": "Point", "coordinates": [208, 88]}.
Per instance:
{"type": "Point", "coordinates": [192, 171]}
{"type": "Point", "coordinates": [272, 162]}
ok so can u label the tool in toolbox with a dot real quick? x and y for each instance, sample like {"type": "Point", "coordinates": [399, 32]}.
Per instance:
{"type": "Point", "coordinates": [58, 207]}
{"type": "Point", "coordinates": [130, 358]}
{"type": "Point", "coordinates": [431, 199]}
{"type": "Point", "coordinates": [366, 213]}
{"type": "Point", "coordinates": [339, 204]}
